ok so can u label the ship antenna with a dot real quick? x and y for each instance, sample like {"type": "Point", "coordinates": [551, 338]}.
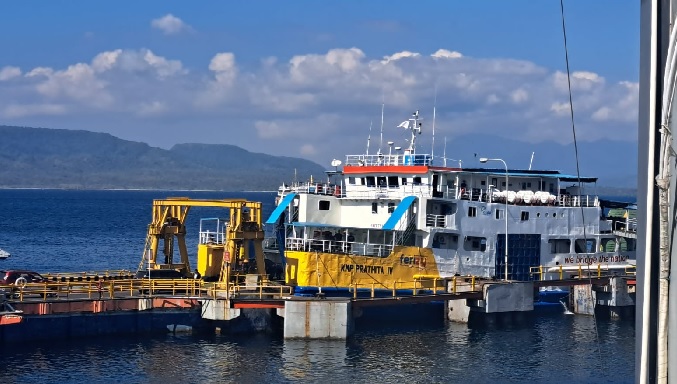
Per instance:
{"type": "Point", "coordinates": [369, 137]}
{"type": "Point", "coordinates": [416, 127]}
{"type": "Point", "coordinates": [444, 154]}
{"type": "Point", "coordinates": [383, 106]}
{"type": "Point", "coordinates": [532, 160]}
{"type": "Point", "coordinates": [432, 150]}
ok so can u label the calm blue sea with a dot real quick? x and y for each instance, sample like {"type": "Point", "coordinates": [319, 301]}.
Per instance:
{"type": "Point", "coordinates": [59, 231]}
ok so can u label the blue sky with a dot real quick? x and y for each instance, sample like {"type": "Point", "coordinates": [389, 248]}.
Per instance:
{"type": "Point", "coordinates": [298, 78]}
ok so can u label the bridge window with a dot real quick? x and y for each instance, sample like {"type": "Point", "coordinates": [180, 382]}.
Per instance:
{"type": "Point", "coordinates": [584, 246]}
{"type": "Point", "coordinates": [391, 207]}
{"type": "Point", "coordinates": [392, 181]}
{"type": "Point", "coordinates": [627, 244]}
{"type": "Point", "coordinates": [499, 214]}
{"type": "Point", "coordinates": [473, 243]}
{"type": "Point", "coordinates": [381, 180]}
{"type": "Point", "coordinates": [374, 207]}
{"type": "Point", "coordinates": [472, 211]}
{"type": "Point", "coordinates": [371, 181]}
{"type": "Point", "coordinates": [417, 180]}
{"type": "Point", "coordinates": [404, 181]}
{"type": "Point", "coordinates": [324, 205]}
{"type": "Point", "coordinates": [525, 215]}
{"type": "Point", "coordinates": [560, 245]}
{"type": "Point", "coordinates": [351, 180]}
{"type": "Point", "coordinates": [607, 244]}
{"type": "Point", "coordinates": [445, 241]}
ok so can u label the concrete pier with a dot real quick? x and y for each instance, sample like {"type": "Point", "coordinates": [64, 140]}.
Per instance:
{"type": "Point", "coordinates": [615, 300]}
{"type": "Point", "coordinates": [502, 301]}
{"type": "Point", "coordinates": [317, 318]}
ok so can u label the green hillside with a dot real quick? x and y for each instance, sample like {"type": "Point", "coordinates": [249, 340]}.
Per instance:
{"type": "Point", "coordinates": [58, 158]}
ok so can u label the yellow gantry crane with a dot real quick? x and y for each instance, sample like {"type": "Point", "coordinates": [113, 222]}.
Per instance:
{"type": "Point", "coordinates": [227, 247]}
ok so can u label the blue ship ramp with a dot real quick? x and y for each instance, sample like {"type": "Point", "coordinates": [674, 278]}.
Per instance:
{"type": "Point", "coordinates": [399, 212]}
{"type": "Point", "coordinates": [280, 208]}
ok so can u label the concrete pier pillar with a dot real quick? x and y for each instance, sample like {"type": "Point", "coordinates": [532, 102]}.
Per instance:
{"type": "Point", "coordinates": [583, 298]}
{"type": "Point", "coordinates": [497, 298]}
{"type": "Point", "coordinates": [218, 309]}
{"type": "Point", "coordinates": [617, 300]}
{"type": "Point", "coordinates": [317, 318]}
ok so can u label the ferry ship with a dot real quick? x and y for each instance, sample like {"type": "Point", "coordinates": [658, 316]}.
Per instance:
{"type": "Point", "coordinates": [388, 221]}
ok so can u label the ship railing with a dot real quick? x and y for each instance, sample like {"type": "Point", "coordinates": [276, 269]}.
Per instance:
{"type": "Point", "coordinates": [436, 221]}
{"type": "Point", "coordinates": [388, 160]}
{"type": "Point", "coordinates": [577, 201]}
{"type": "Point", "coordinates": [338, 246]}
{"type": "Point", "coordinates": [327, 189]}
{"type": "Point", "coordinates": [628, 225]}
{"type": "Point", "coordinates": [260, 291]}
{"type": "Point", "coordinates": [270, 243]}
{"type": "Point", "coordinates": [579, 271]}
{"type": "Point", "coordinates": [420, 285]}
{"type": "Point", "coordinates": [105, 289]}
{"type": "Point", "coordinates": [213, 230]}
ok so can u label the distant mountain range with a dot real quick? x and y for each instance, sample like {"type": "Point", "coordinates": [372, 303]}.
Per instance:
{"type": "Point", "coordinates": [59, 158]}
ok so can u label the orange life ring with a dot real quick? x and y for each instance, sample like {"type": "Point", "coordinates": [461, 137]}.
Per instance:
{"type": "Point", "coordinates": [318, 188]}
{"type": "Point", "coordinates": [337, 190]}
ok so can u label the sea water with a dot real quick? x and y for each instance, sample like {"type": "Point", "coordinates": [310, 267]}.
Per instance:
{"type": "Point", "coordinates": [65, 231]}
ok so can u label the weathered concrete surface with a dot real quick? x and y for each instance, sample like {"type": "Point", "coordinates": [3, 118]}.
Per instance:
{"type": "Point", "coordinates": [615, 300]}
{"type": "Point", "coordinates": [508, 297]}
{"type": "Point", "coordinates": [218, 309]}
{"type": "Point", "coordinates": [318, 319]}
{"type": "Point", "coordinates": [458, 310]}
{"type": "Point", "coordinates": [498, 298]}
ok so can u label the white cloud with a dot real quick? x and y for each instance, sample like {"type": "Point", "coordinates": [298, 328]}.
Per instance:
{"type": "Point", "coordinates": [268, 129]}
{"type": "Point", "coordinates": [13, 111]}
{"type": "Point", "coordinates": [399, 56]}
{"type": "Point", "coordinates": [223, 66]}
{"type": "Point", "coordinates": [104, 61]}
{"type": "Point", "coordinates": [40, 71]}
{"type": "Point", "coordinates": [582, 80]}
{"type": "Point", "coordinates": [312, 101]}
{"type": "Point", "coordinates": [519, 96]}
{"type": "Point", "coordinates": [446, 54]}
{"type": "Point", "coordinates": [153, 108]}
{"type": "Point", "coordinates": [7, 73]}
{"type": "Point", "coordinates": [77, 82]}
{"type": "Point", "coordinates": [170, 24]}
{"type": "Point", "coordinates": [560, 109]}
{"type": "Point", "coordinates": [308, 150]}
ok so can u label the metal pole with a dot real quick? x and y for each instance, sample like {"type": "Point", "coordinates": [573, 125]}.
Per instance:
{"type": "Point", "coordinates": [484, 160]}
{"type": "Point", "coordinates": [506, 218]}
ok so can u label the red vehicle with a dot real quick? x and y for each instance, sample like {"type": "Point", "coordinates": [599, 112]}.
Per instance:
{"type": "Point", "coordinates": [17, 279]}
{"type": "Point", "coordinates": [23, 277]}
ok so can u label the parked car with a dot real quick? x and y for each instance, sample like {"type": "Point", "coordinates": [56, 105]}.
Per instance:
{"type": "Point", "coordinates": [15, 280]}
{"type": "Point", "coordinates": [11, 277]}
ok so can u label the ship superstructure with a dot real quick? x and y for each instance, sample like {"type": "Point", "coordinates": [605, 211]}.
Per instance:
{"type": "Point", "coordinates": [391, 218]}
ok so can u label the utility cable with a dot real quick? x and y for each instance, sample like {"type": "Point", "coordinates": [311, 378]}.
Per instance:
{"type": "Point", "coordinates": [578, 171]}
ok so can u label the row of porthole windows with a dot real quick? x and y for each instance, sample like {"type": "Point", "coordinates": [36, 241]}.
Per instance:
{"type": "Point", "coordinates": [472, 212]}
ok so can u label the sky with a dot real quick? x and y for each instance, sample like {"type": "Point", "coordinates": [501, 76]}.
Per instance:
{"type": "Point", "coordinates": [310, 79]}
